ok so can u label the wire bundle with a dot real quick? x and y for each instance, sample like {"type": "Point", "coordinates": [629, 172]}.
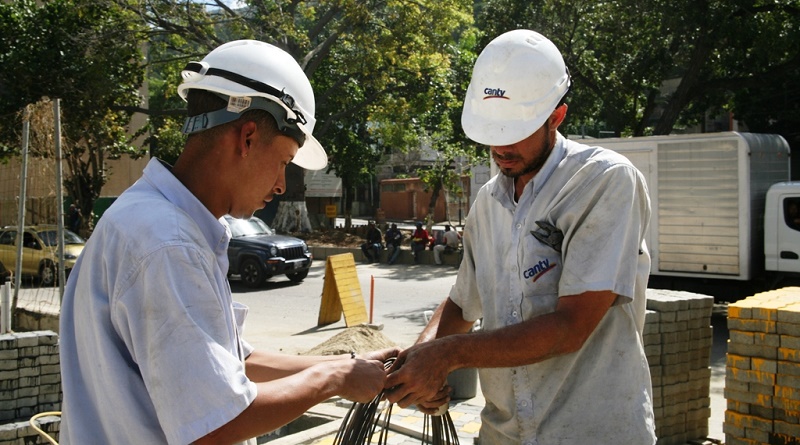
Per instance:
{"type": "Point", "coordinates": [363, 420]}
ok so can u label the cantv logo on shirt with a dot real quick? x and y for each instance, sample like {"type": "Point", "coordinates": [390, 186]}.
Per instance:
{"type": "Point", "coordinates": [538, 270]}
{"type": "Point", "coordinates": [495, 93]}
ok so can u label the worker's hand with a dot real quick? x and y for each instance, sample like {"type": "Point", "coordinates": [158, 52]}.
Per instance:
{"type": "Point", "coordinates": [418, 375]}
{"type": "Point", "coordinates": [381, 354]}
{"type": "Point", "coordinates": [439, 404]}
{"type": "Point", "coordinates": [361, 379]}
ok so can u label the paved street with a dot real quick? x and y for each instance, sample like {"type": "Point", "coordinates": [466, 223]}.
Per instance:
{"type": "Point", "coordinates": [283, 315]}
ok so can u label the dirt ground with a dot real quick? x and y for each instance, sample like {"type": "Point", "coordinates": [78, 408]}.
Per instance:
{"type": "Point", "coordinates": [331, 238]}
{"type": "Point", "coordinates": [361, 338]}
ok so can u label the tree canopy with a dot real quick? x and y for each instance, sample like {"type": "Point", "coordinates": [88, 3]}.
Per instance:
{"type": "Point", "coordinates": [622, 53]}
{"type": "Point", "coordinates": [87, 55]}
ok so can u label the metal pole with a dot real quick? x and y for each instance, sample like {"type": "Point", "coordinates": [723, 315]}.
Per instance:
{"type": "Point", "coordinates": [23, 193]}
{"type": "Point", "coordinates": [62, 276]}
{"type": "Point", "coordinates": [5, 321]}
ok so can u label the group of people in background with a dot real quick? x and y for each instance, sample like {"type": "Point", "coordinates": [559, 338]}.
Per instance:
{"type": "Point", "coordinates": [440, 243]}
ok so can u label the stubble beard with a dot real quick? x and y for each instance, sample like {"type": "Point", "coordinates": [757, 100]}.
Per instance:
{"type": "Point", "coordinates": [534, 165]}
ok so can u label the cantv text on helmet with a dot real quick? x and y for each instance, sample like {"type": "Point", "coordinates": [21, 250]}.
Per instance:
{"type": "Point", "coordinates": [495, 93]}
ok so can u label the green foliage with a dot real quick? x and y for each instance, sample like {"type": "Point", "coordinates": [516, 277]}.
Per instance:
{"type": "Point", "coordinates": [621, 54]}
{"type": "Point", "coordinates": [381, 70]}
{"type": "Point", "coordinates": [88, 55]}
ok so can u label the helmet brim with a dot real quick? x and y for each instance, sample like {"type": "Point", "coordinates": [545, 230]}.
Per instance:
{"type": "Point", "coordinates": [311, 156]}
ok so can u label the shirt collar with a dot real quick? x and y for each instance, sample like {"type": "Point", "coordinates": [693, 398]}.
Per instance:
{"type": "Point", "coordinates": [503, 189]}
{"type": "Point", "coordinates": [159, 174]}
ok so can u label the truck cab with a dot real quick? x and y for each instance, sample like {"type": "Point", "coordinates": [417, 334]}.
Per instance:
{"type": "Point", "coordinates": [782, 229]}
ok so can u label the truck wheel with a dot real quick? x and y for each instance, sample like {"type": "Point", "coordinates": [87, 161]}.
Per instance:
{"type": "Point", "coordinates": [297, 276]}
{"type": "Point", "coordinates": [47, 274]}
{"type": "Point", "coordinates": [252, 273]}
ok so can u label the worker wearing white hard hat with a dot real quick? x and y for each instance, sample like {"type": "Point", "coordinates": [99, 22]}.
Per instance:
{"type": "Point", "coordinates": [554, 264]}
{"type": "Point", "coordinates": [151, 345]}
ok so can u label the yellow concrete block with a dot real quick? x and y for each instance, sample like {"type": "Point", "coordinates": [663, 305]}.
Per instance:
{"type": "Point", "coordinates": [471, 427]}
{"type": "Point", "coordinates": [455, 415]}
{"type": "Point", "coordinates": [412, 419]}
{"type": "Point", "coordinates": [790, 355]}
{"type": "Point", "coordinates": [738, 361]}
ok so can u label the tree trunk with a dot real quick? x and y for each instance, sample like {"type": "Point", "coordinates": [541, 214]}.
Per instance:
{"type": "Point", "coordinates": [437, 188]}
{"type": "Point", "coordinates": [292, 213]}
{"type": "Point", "coordinates": [349, 196]}
{"type": "Point", "coordinates": [292, 216]}
{"type": "Point", "coordinates": [682, 95]}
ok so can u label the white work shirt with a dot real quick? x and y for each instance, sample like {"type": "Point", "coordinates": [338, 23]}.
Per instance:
{"type": "Point", "coordinates": [602, 393]}
{"type": "Point", "coordinates": [150, 341]}
{"type": "Point", "coordinates": [451, 239]}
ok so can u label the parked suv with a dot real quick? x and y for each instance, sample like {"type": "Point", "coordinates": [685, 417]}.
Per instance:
{"type": "Point", "coordinates": [39, 251]}
{"type": "Point", "coordinates": [256, 253]}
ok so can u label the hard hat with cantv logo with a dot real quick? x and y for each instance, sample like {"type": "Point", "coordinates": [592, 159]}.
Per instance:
{"type": "Point", "coordinates": [517, 81]}
{"type": "Point", "coordinates": [248, 75]}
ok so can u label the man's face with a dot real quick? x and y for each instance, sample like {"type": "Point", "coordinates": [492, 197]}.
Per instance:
{"type": "Point", "coordinates": [525, 158]}
{"type": "Point", "coordinates": [263, 173]}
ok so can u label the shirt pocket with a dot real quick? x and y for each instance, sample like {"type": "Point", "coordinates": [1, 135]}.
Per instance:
{"type": "Point", "coordinates": [542, 267]}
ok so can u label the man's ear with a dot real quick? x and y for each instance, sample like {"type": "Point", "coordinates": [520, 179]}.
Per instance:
{"type": "Point", "coordinates": [558, 116]}
{"type": "Point", "coordinates": [247, 135]}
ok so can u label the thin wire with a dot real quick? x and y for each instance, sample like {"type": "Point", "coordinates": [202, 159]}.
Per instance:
{"type": "Point", "coordinates": [363, 420]}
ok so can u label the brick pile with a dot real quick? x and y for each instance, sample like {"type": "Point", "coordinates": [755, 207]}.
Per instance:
{"type": "Point", "coordinates": [678, 340]}
{"type": "Point", "coordinates": [762, 380]}
{"type": "Point", "coordinates": [30, 383]}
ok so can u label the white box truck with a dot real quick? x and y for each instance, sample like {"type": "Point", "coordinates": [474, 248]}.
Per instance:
{"type": "Point", "coordinates": [722, 210]}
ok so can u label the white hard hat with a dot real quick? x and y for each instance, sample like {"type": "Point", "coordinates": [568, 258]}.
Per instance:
{"type": "Point", "coordinates": [517, 81]}
{"type": "Point", "coordinates": [255, 75]}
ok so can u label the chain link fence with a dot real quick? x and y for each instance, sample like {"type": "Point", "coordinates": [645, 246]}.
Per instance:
{"type": "Point", "coordinates": [29, 198]}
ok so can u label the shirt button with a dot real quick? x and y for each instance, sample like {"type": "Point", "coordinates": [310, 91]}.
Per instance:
{"type": "Point", "coordinates": [519, 226]}
{"type": "Point", "coordinates": [514, 313]}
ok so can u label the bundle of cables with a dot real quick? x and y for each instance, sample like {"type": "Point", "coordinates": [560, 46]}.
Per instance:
{"type": "Point", "coordinates": [368, 423]}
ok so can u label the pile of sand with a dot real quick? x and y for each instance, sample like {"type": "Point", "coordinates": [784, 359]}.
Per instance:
{"type": "Point", "coordinates": [358, 339]}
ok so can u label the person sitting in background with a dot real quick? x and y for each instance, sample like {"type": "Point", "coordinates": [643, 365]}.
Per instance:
{"type": "Point", "coordinates": [372, 248]}
{"type": "Point", "coordinates": [419, 239]}
{"type": "Point", "coordinates": [393, 240]}
{"type": "Point", "coordinates": [450, 240]}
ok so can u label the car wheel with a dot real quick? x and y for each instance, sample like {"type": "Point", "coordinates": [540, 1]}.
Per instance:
{"type": "Point", "coordinates": [47, 274]}
{"type": "Point", "coordinates": [252, 273]}
{"type": "Point", "coordinates": [297, 276]}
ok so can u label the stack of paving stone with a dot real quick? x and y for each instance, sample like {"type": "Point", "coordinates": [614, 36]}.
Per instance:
{"type": "Point", "coordinates": [762, 381]}
{"type": "Point", "coordinates": [678, 341]}
{"type": "Point", "coordinates": [30, 383]}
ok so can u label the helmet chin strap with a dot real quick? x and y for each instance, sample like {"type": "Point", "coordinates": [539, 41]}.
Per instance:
{"type": "Point", "coordinates": [238, 106]}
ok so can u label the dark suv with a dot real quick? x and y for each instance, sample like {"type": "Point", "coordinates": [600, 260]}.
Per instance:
{"type": "Point", "coordinates": [256, 253]}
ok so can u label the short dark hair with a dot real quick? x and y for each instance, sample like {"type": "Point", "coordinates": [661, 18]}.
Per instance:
{"type": "Point", "coordinates": [202, 101]}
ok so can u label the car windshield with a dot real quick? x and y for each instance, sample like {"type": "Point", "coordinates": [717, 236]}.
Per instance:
{"type": "Point", "coordinates": [248, 227]}
{"type": "Point", "coordinates": [50, 237]}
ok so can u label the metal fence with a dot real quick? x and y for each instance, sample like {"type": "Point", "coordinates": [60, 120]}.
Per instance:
{"type": "Point", "coordinates": [30, 190]}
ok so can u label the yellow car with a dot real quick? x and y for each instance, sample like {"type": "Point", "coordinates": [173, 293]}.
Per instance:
{"type": "Point", "coordinates": [39, 251]}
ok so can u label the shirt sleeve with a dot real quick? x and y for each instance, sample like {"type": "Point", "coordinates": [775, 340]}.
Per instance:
{"type": "Point", "coordinates": [181, 332]}
{"type": "Point", "coordinates": [602, 241]}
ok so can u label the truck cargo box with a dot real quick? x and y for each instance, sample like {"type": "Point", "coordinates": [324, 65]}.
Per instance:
{"type": "Point", "coordinates": [707, 193]}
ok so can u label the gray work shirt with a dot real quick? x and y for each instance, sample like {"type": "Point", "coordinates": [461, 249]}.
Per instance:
{"type": "Point", "coordinates": [598, 202]}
